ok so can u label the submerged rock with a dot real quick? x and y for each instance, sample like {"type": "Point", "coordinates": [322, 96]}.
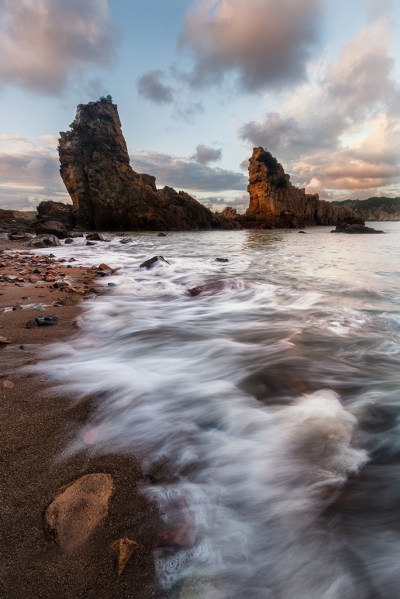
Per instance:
{"type": "Point", "coordinates": [152, 261]}
{"type": "Point", "coordinates": [214, 287]}
{"type": "Point", "coordinates": [108, 194]}
{"type": "Point", "coordinates": [77, 510]}
{"type": "Point", "coordinates": [355, 228]}
{"type": "Point", "coordinates": [95, 237]}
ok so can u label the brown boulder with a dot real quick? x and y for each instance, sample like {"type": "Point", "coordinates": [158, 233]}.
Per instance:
{"type": "Point", "coordinates": [52, 227]}
{"type": "Point", "coordinates": [43, 241]}
{"type": "Point", "coordinates": [77, 510]}
{"type": "Point", "coordinates": [57, 211]}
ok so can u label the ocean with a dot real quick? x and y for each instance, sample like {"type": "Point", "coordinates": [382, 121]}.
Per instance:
{"type": "Point", "coordinates": [266, 407]}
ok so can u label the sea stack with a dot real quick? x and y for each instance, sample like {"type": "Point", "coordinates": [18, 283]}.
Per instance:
{"type": "Point", "coordinates": [107, 193]}
{"type": "Point", "coordinates": [276, 203]}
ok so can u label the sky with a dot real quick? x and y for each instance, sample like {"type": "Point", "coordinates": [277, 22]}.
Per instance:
{"type": "Point", "coordinates": [198, 84]}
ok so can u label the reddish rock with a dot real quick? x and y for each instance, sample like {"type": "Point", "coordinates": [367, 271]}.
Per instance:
{"type": "Point", "coordinates": [123, 549]}
{"type": "Point", "coordinates": [106, 267]}
{"type": "Point", "coordinates": [77, 510]}
{"type": "Point", "coordinates": [275, 202]}
{"type": "Point", "coordinates": [8, 385]}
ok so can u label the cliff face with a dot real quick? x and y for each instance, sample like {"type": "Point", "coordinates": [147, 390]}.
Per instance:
{"type": "Point", "coordinates": [375, 208]}
{"type": "Point", "coordinates": [107, 194]}
{"type": "Point", "coordinates": [275, 202]}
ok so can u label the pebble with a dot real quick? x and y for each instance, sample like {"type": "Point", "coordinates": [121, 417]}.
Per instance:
{"type": "Point", "coordinates": [8, 385]}
{"type": "Point", "coordinates": [77, 510]}
{"type": "Point", "coordinates": [38, 307]}
{"type": "Point", "coordinates": [47, 320]}
{"type": "Point", "coordinates": [5, 340]}
{"type": "Point", "coordinates": [123, 549]}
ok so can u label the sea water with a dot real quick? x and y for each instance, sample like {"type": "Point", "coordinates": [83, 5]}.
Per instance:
{"type": "Point", "coordinates": [266, 407]}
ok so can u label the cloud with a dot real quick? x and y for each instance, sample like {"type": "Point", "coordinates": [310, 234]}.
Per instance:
{"type": "Point", "coordinates": [43, 42]}
{"type": "Point", "coordinates": [354, 99]}
{"type": "Point", "coordinates": [185, 174]}
{"type": "Point", "coordinates": [150, 86]}
{"type": "Point", "coordinates": [216, 203]}
{"type": "Point", "coordinates": [204, 154]}
{"type": "Point", "coordinates": [29, 172]}
{"type": "Point", "coordinates": [264, 43]}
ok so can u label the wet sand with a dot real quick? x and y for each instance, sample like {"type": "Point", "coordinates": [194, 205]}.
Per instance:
{"type": "Point", "coordinates": [38, 421]}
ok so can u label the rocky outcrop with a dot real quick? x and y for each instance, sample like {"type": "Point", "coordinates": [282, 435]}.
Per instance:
{"type": "Point", "coordinates": [56, 211]}
{"type": "Point", "coordinates": [16, 221]}
{"type": "Point", "coordinates": [107, 193]}
{"type": "Point", "coordinates": [276, 203]}
{"type": "Point", "coordinates": [355, 228]}
{"type": "Point", "coordinates": [374, 208]}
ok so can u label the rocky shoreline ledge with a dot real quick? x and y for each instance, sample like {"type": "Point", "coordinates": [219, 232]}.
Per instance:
{"type": "Point", "coordinates": [38, 422]}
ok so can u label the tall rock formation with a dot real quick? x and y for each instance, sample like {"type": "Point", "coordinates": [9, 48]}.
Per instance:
{"type": "Point", "coordinates": [275, 202]}
{"type": "Point", "coordinates": [107, 193]}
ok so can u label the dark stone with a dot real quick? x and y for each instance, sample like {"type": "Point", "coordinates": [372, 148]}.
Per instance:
{"type": "Point", "coordinates": [221, 260]}
{"type": "Point", "coordinates": [219, 285]}
{"type": "Point", "coordinates": [303, 232]}
{"type": "Point", "coordinates": [95, 237]}
{"type": "Point", "coordinates": [43, 241]}
{"type": "Point", "coordinates": [57, 211]}
{"type": "Point", "coordinates": [90, 243]}
{"type": "Point", "coordinates": [150, 263]}
{"type": "Point", "coordinates": [162, 235]}
{"type": "Point", "coordinates": [44, 321]}
{"type": "Point", "coordinates": [355, 228]}
{"type": "Point", "coordinates": [51, 227]}
{"type": "Point", "coordinates": [69, 240]}
{"type": "Point", "coordinates": [19, 236]}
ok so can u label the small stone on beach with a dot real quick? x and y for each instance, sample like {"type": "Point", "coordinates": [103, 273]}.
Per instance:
{"type": "Point", "coordinates": [123, 549]}
{"type": "Point", "coordinates": [46, 320]}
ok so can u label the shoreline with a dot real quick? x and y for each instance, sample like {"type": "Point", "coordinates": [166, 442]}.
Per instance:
{"type": "Point", "coordinates": [39, 421]}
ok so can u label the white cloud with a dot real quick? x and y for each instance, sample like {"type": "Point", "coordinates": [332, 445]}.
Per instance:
{"type": "Point", "coordinates": [29, 172]}
{"type": "Point", "coordinates": [263, 43]}
{"type": "Point", "coordinates": [43, 42]}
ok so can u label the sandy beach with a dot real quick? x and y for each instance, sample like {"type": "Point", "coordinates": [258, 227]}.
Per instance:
{"type": "Point", "coordinates": [38, 422]}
